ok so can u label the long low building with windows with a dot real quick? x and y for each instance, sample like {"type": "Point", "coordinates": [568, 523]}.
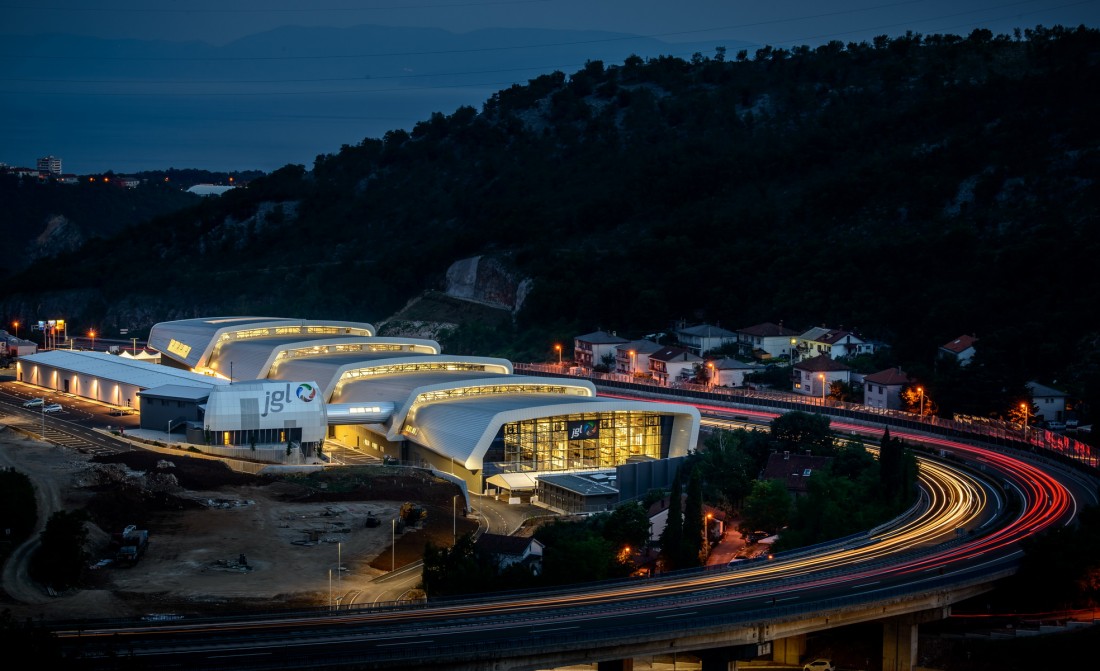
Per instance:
{"type": "Point", "coordinates": [278, 382]}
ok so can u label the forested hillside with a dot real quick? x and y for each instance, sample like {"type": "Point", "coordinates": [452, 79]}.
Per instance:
{"type": "Point", "coordinates": [915, 188]}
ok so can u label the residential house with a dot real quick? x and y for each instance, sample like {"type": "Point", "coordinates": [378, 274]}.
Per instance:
{"type": "Point", "coordinates": [813, 376]}
{"type": "Point", "coordinates": [704, 338]}
{"type": "Point", "coordinates": [883, 389]}
{"type": "Point", "coordinates": [726, 372]}
{"type": "Point", "coordinates": [766, 341]}
{"type": "Point", "coordinates": [509, 550]}
{"type": "Point", "coordinates": [794, 470]}
{"type": "Point", "coordinates": [632, 358]}
{"type": "Point", "coordinates": [960, 349]}
{"type": "Point", "coordinates": [834, 343]}
{"type": "Point", "coordinates": [1049, 402]}
{"type": "Point", "coordinates": [672, 364]}
{"type": "Point", "coordinates": [590, 349]}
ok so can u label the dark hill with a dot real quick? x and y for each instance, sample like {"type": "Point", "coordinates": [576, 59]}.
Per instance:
{"type": "Point", "coordinates": [915, 188]}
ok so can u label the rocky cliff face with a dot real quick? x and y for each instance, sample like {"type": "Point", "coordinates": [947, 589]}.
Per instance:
{"type": "Point", "coordinates": [488, 281]}
{"type": "Point", "coordinates": [60, 235]}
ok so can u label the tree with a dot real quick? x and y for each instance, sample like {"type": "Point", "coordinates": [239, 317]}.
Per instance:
{"type": "Point", "coordinates": [628, 525]}
{"type": "Point", "coordinates": [768, 507]}
{"type": "Point", "coordinates": [694, 540]}
{"type": "Point", "coordinates": [672, 536]}
{"type": "Point", "coordinates": [798, 430]}
{"type": "Point", "coordinates": [61, 558]}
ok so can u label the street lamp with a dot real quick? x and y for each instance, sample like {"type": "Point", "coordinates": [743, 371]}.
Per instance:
{"type": "Point", "coordinates": [393, 537]}
{"type": "Point", "coordinates": [921, 390]}
{"type": "Point", "coordinates": [170, 428]}
{"type": "Point", "coordinates": [632, 371]}
{"type": "Point", "coordinates": [339, 565]}
{"type": "Point", "coordinates": [454, 520]}
{"type": "Point", "coordinates": [135, 344]}
{"type": "Point", "coordinates": [16, 325]}
{"type": "Point", "coordinates": [791, 355]}
{"type": "Point", "coordinates": [1023, 406]}
{"type": "Point", "coordinates": [821, 376]}
{"type": "Point", "coordinates": [558, 349]}
{"type": "Point", "coordinates": [91, 334]}
{"type": "Point", "coordinates": [710, 374]}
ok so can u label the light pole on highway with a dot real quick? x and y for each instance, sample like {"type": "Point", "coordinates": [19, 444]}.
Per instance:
{"type": "Point", "coordinates": [339, 565]}
{"type": "Point", "coordinates": [330, 589]}
{"type": "Point", "coordinates": [454, 520]}
{"type": "Point", "coordinates": [393, 538]}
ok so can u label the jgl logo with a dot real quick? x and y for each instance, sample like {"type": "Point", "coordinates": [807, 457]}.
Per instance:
{"type": "Point", "coordinates": [274, 401]}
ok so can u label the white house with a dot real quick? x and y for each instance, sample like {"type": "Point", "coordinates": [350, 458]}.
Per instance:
{"type": "Point", "coordinates": [672, 364]}
{"type": "Point", "coordinates": [813, 376]}
{"type": "Point", "coordinates": [703, 338]}
{"type": "Point", "coordinates": [590, 349]}
{"type": "Point", "coordinates": [726, 372]}
{"type": "Point", "coordinates": [767, 340]}
{"type": "Point", "coordinates": [883, 389]}
{"type": "Point", "coordinates": [509, 550]}
{"type": "Point", "coordinates": [1050, 403]}
{"type": "Point", "coordinates": [632, 358]}
{"type": "Point", "coordinates": [960, 349]}
{"type": "Point", "coordinates": [833, 343]}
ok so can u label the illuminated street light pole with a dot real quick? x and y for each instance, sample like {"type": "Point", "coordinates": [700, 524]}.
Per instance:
{"type": "Point", "coordinates": [558, 348]}
{"type": "Point", "coordinates": [633, 372]}
{"type": "Point", "coordinates": [393, 537]}
{"type": "Point", "coordinates": [91, 334]}
{"type": "Point", "coordinates": [135, 344]}
{"type": "Point", "coordinates": [454, 520]}
{"type": "Point", "coordinates": [1023, 406]}
{"type": "Point", "coordinates": [921, 390]}
{"type": "Point", "coordinates": [16, 325]}
{"type": "Point", "coordinates": [710, 375]}
{"type": "Point", "coordinates": [821, 376]}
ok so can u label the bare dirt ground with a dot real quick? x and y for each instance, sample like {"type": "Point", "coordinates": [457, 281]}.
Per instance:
{"type": "Point", "coordinates": [292, 532]}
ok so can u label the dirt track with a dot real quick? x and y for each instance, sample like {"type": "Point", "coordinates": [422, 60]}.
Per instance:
{"type": "Point", "coordinates": [192, 561]}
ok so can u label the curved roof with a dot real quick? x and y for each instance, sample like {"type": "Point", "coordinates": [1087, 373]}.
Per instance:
{"type": "Point", "coordinates": [522, 387]}
{"type": "Point", "coordinates": [333, 352]}
{"type": "Point", "coordinates": [465, 427]}
{"type": "Point", "coordinates": [191, 341]}
{"type": "Point", "coordinates": [395, 378]}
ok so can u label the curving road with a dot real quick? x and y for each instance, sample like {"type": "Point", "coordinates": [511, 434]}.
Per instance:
{"type": "Point", "coordinates": [966, 531]}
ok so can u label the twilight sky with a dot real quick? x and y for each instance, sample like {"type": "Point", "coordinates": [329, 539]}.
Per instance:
{"type": "Point", "coordinates": [780, 22]}
{"type": "Point", "coordinates": [228, 96]}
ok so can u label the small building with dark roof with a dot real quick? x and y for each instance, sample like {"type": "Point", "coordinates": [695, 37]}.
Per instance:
{"type": "Point", "coordinates": [767, 340]}
{"type": "Point", "coordinates": [794, 470]}
{"type": "Point", "coordinates": [578, 493]}
{"type": "Point", "coordinates": [590, 349]}
{"type": "Point", "coordinates": [509, 550]}
{"type": "Point", "coordinates": [813, 376]}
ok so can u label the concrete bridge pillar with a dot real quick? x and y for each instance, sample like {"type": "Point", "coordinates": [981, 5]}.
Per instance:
{"type": "Point", "coordinates": [899, 638]}
{"type": "Point", "coordinates": [616, 665]}
{"type": "Point", "coordinates": [899, 644]}
{"type": "Point", "coordinates": [789, 650]}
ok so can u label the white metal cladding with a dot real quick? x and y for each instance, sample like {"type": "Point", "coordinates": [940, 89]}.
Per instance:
{"type": "Point", "coordinates": [576, 388]}
{"type": "Point", "coordinates": [191, 341]}
{"type": "Point", "coordinates": [398, 385]}
{"type": "Point", "coordinates": [268, 405]}
{"type": "Point", "coordinates": [464, 428]}
{"type": "Point", "coordinates": [335, 372]}
{"type": "Point", "coordinates": [340, 350]}
{"type": "Point", "coordinates": [141, 374]}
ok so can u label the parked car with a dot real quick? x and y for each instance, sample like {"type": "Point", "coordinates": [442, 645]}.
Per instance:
{"type": "Point", "coordinates": [819, 665]}
{"type": "Point", "coordinates": [34, 403]}
{"type": "Point", "coordinates": [53, 407]}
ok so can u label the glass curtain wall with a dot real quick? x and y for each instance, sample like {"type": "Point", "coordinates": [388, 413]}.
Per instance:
{"type": "Point", "coordinates": [589, 440]}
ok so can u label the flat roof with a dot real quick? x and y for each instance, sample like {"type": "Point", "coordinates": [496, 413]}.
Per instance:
{"type": "Point", "coordinates": [176, 391]}
{"type": "Point", "coordinates": [140, 374]}
{"type": "Point", "coordinates": [580, 484]}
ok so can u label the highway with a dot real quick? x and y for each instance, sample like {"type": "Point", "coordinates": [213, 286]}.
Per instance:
{"type": "Point", "coordinates": [975, 509]}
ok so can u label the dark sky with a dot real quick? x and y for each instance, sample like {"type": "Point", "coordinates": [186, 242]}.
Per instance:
{"type": "Point", "coordinates": [81, 113]}
{"type": "Point", "coordinates": [778, 22]}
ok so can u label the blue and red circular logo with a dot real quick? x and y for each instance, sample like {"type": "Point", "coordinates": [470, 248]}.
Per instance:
{"type": "Point", "coordinates": [306, 392]}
